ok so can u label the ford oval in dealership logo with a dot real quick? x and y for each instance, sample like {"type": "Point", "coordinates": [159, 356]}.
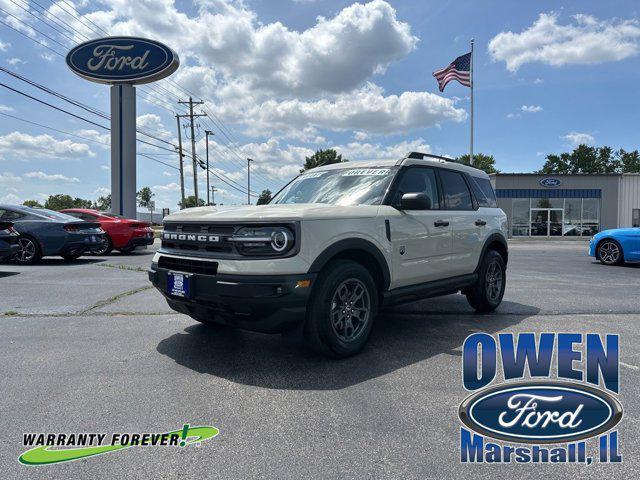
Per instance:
{"type": "Point", "coordinates": [540, 412]}
{"type": "Point", "coordinates": [130, 60]}
{"type": "Point", "coordinates": [550, 182]}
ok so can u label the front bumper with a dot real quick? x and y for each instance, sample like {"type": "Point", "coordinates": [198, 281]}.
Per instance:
{"type": "Point", "coordinates": [269, 304]}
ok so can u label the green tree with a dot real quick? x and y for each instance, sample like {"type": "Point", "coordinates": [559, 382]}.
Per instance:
{"type": "Point", "coordinates": [587, 159]}
{"type": "Point", "coordinates": [190, 202]}
{"type": "Point", "coordinates": [103, 203]}
{"type": "Point", "coordinates": [32, 203]}
{"type": "Point", "coordinates": [145, 197]}
{"type": "Point", "coordinates": [322, 157]}
{"type": "Point", "coordinates": [481, 161]}
{"type": "Point", "coordinates": [264, 198]}
{"type": "Point", "coordinates": [60, 201]}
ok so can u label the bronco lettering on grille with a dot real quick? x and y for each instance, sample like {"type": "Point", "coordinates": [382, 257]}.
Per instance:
{"type": "Point", "coordinates": [191, 237]}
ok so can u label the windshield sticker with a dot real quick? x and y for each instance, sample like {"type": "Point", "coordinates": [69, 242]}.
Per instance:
{"type": "Point", "coordinates": [366, 172]}
{"type": "Point", "coordinates": [312, 175]}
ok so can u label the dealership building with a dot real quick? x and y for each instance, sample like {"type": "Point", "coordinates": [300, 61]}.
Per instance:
{"type": "Point", "coordinates": [571, 206]}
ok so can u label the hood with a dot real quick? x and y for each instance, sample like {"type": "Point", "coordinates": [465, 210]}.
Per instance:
{"type": "Point", "coordinates": [620, 231]}
{"type": "Point", "coordinates": [285, 212]}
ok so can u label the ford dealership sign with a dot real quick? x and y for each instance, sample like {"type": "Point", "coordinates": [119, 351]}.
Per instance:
{"type": "Point", "coordinates": [550, 182]}
{"type": "Point", "coordinates": [129, 60]}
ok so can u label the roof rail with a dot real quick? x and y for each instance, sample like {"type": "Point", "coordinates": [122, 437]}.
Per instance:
{"type": "Point", "coordinates": [420, 156]}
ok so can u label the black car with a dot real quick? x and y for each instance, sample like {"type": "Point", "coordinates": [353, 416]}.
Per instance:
{"type": "Point", "coordinates": [43, 232]}
{"type": "Point", "coordinates": [8, 240]}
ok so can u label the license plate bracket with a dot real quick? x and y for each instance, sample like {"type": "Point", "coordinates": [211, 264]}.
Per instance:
{"type": "Point", "coordinates": [180, 284]}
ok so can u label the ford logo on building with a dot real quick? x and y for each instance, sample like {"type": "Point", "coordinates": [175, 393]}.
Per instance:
{"type": "Point", "coordinates": [550, 182]}
{"type": "Point", "coordinates": [540, 412]}
{"type": "Point", "coordinates": [122, 60]}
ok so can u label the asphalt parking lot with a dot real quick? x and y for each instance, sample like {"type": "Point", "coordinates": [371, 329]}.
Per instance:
{"type": "Point", "coordinates": [90, 346]}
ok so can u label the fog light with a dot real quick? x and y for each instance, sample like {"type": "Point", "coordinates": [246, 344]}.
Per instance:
{"type": "Point", "coordinates": [303, 284]}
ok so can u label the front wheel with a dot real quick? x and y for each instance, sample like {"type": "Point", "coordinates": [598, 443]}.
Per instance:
{"type": "Point", "coordinates": [341, 309]}
{"type": "Point", "coordinates": [487, 293]}
{"type": "Point", "coordinates": [610, 253]}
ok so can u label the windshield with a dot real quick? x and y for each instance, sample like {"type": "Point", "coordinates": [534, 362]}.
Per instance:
{"type": "Point", "coordinates": [345, 186]}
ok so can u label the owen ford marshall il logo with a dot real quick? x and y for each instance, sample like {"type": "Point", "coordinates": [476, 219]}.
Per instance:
{"type": "Point", "coordinates": [190, 237]}
{"type": "Point", "coordinates": [122, 60]}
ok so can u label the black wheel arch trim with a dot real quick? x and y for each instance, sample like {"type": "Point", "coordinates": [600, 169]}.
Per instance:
{"type": "Point", "coordinates": [494, 237]}
{"type": "Point", "coordinates": [353, 244]}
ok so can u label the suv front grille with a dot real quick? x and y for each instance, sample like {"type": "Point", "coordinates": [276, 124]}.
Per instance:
{"type": "Point", "coordinates": [188, 266]}
{"type": "Point", "coordinates": [222, 231]}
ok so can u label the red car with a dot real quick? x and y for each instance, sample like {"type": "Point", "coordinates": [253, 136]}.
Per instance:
{"type": "Point", "coordinates": [123, 234]}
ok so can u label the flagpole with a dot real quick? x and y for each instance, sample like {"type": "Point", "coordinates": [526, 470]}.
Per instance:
{"type": "Point", "coordinates": [471, 78]}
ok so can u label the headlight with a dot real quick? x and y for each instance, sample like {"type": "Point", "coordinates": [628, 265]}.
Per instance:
{"type": "Point", "coordinates": [263, 241]}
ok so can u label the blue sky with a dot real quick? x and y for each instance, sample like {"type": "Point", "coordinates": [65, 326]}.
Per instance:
{"type": "Point", "coordinates": [284, 78]}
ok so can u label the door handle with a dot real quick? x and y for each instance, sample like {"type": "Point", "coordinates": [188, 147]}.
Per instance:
{"type": "Point", "coordinates": [481, 223]}
{"type": "Point", "coordinates": [441, 223]}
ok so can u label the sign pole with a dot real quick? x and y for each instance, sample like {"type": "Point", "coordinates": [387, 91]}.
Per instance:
{"type": "Point", "coordinates": [123, 150]}
{"type": "Point", "coordinates": [471, 78]}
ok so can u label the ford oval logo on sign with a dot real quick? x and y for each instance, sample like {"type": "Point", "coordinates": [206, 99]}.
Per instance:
{"type": "Point", "coordinates": [550, 182]}
{"type": "Point", "coordinates": [122, 60]}
{"type": "Point", "coordinates": [541, 412]}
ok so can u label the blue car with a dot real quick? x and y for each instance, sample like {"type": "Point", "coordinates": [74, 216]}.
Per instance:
{"type": "Point", "coordinates": [616, 246]}
{"type": "Point", "coordinates": [44, 232]}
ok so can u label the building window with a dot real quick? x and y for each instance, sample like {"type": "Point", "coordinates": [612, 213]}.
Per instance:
{"type": "Point", "coordinates": [590, 216]}
{"type": "Point", "coordinates": [635, 214]}
{"type": "Point", "coordinates": [520, 217]}
{"type": "Point", "coordinates": [572, 217]}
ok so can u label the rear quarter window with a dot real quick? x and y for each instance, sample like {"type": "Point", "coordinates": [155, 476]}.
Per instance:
{"type": "Point", "coordinates": [484, 192]}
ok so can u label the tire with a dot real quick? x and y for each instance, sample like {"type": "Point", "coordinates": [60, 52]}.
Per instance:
{"type": "Point", "coordinates": [29, 253]}
{"type": "Point", "coordinates": [71, 256]}
{"type": "Point", "coordinates": [126, 250]}
{"type": "Point", "coordinates": [106, 248]}
{"type": "Point", "coordinates": [341, 311]}
{"type": "Point", "coordinates": [610, 252]}
{"type": "Point", "coordinates": [486, 295]}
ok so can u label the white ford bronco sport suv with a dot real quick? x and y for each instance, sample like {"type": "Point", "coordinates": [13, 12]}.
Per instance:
{"type": "Point", "coordinates": [334, 246]}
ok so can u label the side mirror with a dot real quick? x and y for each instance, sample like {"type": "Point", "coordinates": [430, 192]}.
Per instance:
{"type": "Point", "coordinates": [415, 201]}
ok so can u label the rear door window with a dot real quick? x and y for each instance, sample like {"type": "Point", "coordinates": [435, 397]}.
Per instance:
{"type": "Point", "coordinates": [455, 191]}
{"type": "Point", "coordinates": [483, 191]}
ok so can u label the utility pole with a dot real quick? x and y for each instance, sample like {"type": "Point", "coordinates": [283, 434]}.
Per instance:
{"type": "Point", "coordinates": [206, 137]}
{"type": "Point", "coordinates": [191, 103]}
{"type": "Point", "coordinates": [181, 159]}
{"type": "Point", "coordinates": [213, 195]}
{"type": "Point", "coordinates": [249, 160]}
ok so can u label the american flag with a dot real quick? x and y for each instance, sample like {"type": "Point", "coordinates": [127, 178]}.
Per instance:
{"type": "Point", "coordinates": [458, 70]}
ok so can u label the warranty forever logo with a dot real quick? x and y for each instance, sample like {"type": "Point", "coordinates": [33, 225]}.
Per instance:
{"type": "Point", "coordinates": [53, 447]}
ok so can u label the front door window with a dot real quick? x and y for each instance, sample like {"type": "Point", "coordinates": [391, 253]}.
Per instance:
{"type": "Point", "coordinates": [539, 222]}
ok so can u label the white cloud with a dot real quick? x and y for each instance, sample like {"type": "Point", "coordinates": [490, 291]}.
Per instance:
{"type": "Point", "coordinates": [587, 40]}
{"type": "Point", "coordinates": [360, 135]}
{"type": "Point", "coordinates": [8, 179]}
{"type": "Point", "coordinates": [5, 108]}
{"type": "Point", "coordinates": [513, 115]}
{"type": "Point", "coordinates": [15, 61]}
{"type": "Point", "coordinates": [55, 177]}
{"type": "Point", "coordinates": [168, 174]}
{"type": "Point", "coordinates": [25, 146]}
{"type": "Point", "coordinates": [170, 187]}
{"type": "Point", "coordinates": [96, 136]}
{"type": "Point", "coordinates": [531, 108]}
{"type": "Point", "coordinates": [366, 109]}
{"type": "Point", "coordinates": [577, 138]}
{"type": "Point", "coordinates": [271, 56]}
{"type": "Point", "coordinates": [4, 46]}
{"type": "Point", "coordinates": [105, 167]}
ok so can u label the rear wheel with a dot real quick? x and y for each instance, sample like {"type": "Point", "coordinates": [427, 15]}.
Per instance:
{"type": "Point", "coordinates": [29, 252]}
{"type": "Point", "coordinates": [341, 310]}
{"type": "Point", "coordinates": [487, 293]}
{"type": "Point", "coordinates": [610, 253]}
{"type": "Point", "coordinates": [105, 248]}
